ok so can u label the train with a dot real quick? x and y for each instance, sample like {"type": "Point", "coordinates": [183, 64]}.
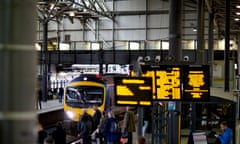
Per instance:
{"type": "Point", "coordinates": [87, 90]}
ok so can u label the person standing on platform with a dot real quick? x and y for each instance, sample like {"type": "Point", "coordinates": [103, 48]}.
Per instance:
{"type": "Point", "coordinates": [129, 125]}
{"type": "Point", "coordinates": [101, 127]}
{"type": "Point", "coordinates": [42, 134]}
{"type": "Point", "coordinates": [60, 94]}
{"type": "Point", "coordinates": [39, 99]}
{"type": "Point", "coordinates": [59, 135]}
{"type": "Point", "coordinates": [112, 130]}
{"type": "Point", "coordinates": [96, 116]}
{"type": "Point", "coordinates": [226, 136]}
{"type": "Point", "coordinates": [86, 127]}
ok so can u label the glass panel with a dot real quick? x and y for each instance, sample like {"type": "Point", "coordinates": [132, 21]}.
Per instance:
{"type": "Point", "coordinates": [84, 96]}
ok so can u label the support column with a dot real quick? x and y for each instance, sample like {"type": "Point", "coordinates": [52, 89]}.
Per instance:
{"type": "Point", "coordinates": [227, 46]}
{"type": "Point", "coordinates": [175, 54]}
{"type": "Point", "coordinates": [175, 30]}
{"type": "Point", "coordinates": [18, 71]}
{"type": "Point", "coordinates": [45, 61]}
{"type": "Point", "coordinates": [200, 32]}
{"type": "Point", "coordinates": [210, 43]}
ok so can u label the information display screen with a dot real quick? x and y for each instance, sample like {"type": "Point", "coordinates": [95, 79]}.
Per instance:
{"type": "Point", "coordinates": [136, 91]}
{"type": "Point", "coordinates": [196, 83]}
{"type": "Point", "coordinates": [179, 82]}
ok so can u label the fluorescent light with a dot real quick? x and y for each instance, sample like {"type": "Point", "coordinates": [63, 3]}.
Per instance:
{"type": "Point", "coordinates": [71, 13]}
{"type": "Point", "coordinates": [238, 6]}
{"type": "Point", "coordinates": [95, 46]}
{"type": "Point", "coordinates": [236, 19]}
{"type": "Point", "coordinates": [134, 46]}
{"type": "Point", "coordinates": [194, 29]}
{"type": "Point", "coordinates": [237, 13]}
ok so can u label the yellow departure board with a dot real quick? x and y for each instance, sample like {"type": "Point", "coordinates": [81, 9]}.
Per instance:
{"type": "Point", "coordinates": [166, 81]}
{"type": "Point", "coordinates": [135, 91]}
{"type": "Point", "coordinates": [178, 82]}
{"type": "Point", "coordinates": [196, 83]}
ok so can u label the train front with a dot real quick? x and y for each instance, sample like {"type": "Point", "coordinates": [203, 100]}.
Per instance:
{"type": "Point", "coordinates": [82, 93]}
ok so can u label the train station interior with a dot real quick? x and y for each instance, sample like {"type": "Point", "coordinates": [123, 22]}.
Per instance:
{"type": "Point", "coordinates": [173, 63]}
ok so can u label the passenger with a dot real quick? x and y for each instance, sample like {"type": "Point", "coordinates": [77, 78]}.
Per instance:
{"type": "Point", "coordinates": [226, 136]}
{"type": "Point", "coordinates": [141, 140]}
{"type": "Point", "coordinates": [112, 131]}
{"type": "Point", "coordinates": [59, 135]}
{"type": "Point", "coordinates": [86, 129]}
{"type": "Point", "coordinates": [49, 140]}
{"type": "Point", "coordinates": [101, 127]}
{"type": "Point", "coordinates": [39, 99]}
{"type": "Point", "coordinates": [60, 94]}
{"type": "Point", "coordinates": [129, 125]}
{"type": "Point", "coordinates": [96, 116]}
{"type": "Point", "coordinates": [42, 134]}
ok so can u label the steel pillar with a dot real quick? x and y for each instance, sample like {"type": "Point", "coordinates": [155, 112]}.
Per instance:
{"type": "Point", "coordinates": [45, 61]}
{"type": "Point", "coordinates": [175, 27]}
{"type": "Point", "coordinates": [227, 46]}
{"type": "Point", "coordinates": [210, 43]}
{"type": "Point", "coordinates": [175, 54]}
{"type": "Point", "coordinates": [200, 32]}
{"type": "Point", "coordinates": [18, 75]}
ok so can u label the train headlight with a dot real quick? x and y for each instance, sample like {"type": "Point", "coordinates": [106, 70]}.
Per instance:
{"type": "Point", "coordinates": [70, 114]}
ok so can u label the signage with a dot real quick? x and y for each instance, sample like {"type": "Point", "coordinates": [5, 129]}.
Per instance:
{"type": "Point", "coordinates": [179, 82]}
{"type": "Point", "coordinates": [136, 91]}
{"type": "Point", "coordinates": [199, 138]}
{"type": "Point", "coordinates": [196, 83]}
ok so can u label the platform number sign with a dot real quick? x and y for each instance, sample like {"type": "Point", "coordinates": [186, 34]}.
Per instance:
{"type": "Point", "coordinates": [135, 91]}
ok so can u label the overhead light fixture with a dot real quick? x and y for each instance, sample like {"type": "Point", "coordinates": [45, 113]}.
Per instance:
{"type": "Point", "coordinates": [236, 19]}
{"type": "Point", "coordinates": [194, 29]}
{"type": "Point", "coordinates": [71, 13]}
{"type": "Point", "coordinates": [95, 46]}
{"type": "Point", "coordinates": [238, 6]}
{"type": "Point", "coordinates": [134, 45]}
{"type": "Point", "coordinates": [237, 13]}
{"type": "Point", "coordinates": [52, 6]}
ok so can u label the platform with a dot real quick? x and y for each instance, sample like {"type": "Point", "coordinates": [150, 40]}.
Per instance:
{"type": "Point", "coordinates": [50, 105]}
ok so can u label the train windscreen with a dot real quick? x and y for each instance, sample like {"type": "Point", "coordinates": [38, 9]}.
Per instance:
{"type": "Point", "coordinates": [84, 96]}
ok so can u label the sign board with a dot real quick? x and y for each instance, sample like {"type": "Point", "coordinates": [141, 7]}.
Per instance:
{"type": "Point", "coordinates": [179, 82]}
{"type": "Point", "coordinates": [199, 138]}
{"type": "Point", "coordinates": [196, 84]}
{"type": "Point", "coordinates": [135, 91]}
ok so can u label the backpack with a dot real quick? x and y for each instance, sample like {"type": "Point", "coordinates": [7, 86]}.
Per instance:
{"type": "Point", "coordinates": [114, 127]}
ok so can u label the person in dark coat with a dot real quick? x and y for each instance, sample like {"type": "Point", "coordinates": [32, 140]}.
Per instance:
{"type": "Point", "coordinates": [59, 135]}
{"type": "Point", "coordinates": [42, 134]}
{"type": "Point", "coordinates": [129, 125]}
{"type": "Point", "coordinates": [111, 137]}
{"type": "Point", "coordinates": [96, 117]}
{"type": "Point", "coordinates": [85, 129]}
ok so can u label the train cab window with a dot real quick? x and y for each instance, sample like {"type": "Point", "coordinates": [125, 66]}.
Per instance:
{"type": "Point", "coordinates": [84, 96]}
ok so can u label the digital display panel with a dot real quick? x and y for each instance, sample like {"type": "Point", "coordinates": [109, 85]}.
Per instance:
{"type": "Point", "coordinates": [166, 81]}
{"type": "Point", "coordinates": [135, 91]}
{"type": "Point", "coordinates": [196, 83]}
{"type": "Point", "coordinates": [178, 82]}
